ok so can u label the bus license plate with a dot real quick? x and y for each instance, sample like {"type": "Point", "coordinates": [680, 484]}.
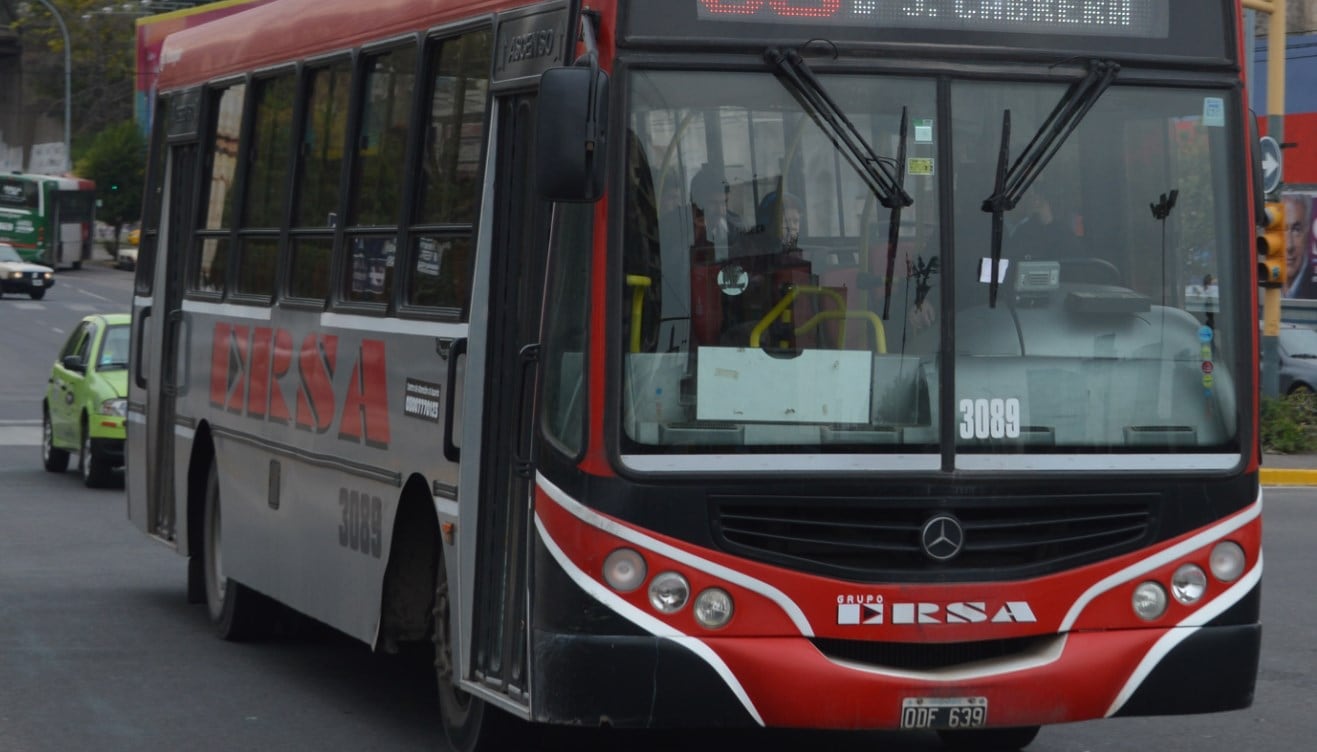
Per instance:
{"type": "Point", "coordinates": [944, 712]}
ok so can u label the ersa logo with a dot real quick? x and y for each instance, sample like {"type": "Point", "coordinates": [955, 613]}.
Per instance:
{"type": "Point", "coordinates": [255, 371]}
{"type": "Point", "coordinates": [862, 610]}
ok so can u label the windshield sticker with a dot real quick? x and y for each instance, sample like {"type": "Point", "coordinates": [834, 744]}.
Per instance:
{"type": "Point", "coordinates": [920, 166]}
{"type": "Point", "coordinates": [1214, 112]}
{"type": "Point", "coordinates": [985, 270]}
{"type": "Point", "coordinates": [924, 131]}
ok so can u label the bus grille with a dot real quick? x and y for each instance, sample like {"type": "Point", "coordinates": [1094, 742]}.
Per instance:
{"type": "Point", "coordinates": [926, 656]}
{"type": "Point", "coordinates": [880, 540]}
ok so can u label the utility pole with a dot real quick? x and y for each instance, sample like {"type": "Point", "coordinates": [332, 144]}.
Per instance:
{"type": "Point", "coordinates": [68, 84]}
{"type": "Point", "coordinates": [1271, 293]}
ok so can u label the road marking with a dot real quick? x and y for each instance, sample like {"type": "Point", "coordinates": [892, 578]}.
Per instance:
{"type": "Point", "coordinates": [20, 435]}
{"type": "Point", "coordinates": [26, 306]}
{"type": "Point", "coordinates": [94, 295]}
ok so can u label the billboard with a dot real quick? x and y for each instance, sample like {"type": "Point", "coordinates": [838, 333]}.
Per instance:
{"type": "Point", "coordinates": [151, 33]}
{"type": "Point", "coordinates": [1300, 244]}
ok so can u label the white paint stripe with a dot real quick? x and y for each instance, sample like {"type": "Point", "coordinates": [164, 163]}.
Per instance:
{"type": "Point", "coordinates": [393, 325]}
{"type": "Point", "coordinates": [94, 295]}
{"type": "Point", "coordinates": [1160, 560]}
{"type": "Point", "coordinates": [645, 621]}
{"type": "Point", "coordinates": [20, 435]}
{"type": "Point", "coordinates": [1048, 654]}
{"type": "Point", "coordinates": [1183, 631]}
{"type": "Point", "coordinates": [594, 519]}
{"type": "Point", "coordinates": [227, 310]}
{"type": "Point", "coordinates": [26, 306]}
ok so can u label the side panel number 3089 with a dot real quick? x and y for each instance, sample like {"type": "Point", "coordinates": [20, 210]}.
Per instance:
{"type": "Point", "coordinates": [990, 419]}
{"type": "Point", "coordinates": [362, 523]}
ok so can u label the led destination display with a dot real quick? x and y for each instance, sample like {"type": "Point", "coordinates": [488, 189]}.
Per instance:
{"type": "Point", "coordinates": [1129, 18]}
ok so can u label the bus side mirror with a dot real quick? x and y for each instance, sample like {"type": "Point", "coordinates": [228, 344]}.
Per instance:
{"type": "Point", "coordinates": [571, 134]}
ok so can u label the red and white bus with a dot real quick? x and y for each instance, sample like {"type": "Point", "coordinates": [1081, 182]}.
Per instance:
{"type": "Point", "coordinates": [834, 364]}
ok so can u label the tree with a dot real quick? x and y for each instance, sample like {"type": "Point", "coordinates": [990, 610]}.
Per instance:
{"type": "Point", "coordinates": [104, 56]}
{"type": "Point", "coordinates": [116, 160]}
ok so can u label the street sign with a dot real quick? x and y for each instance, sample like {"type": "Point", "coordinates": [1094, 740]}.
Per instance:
{"type": "Point", "coordinates": [1271, 164]}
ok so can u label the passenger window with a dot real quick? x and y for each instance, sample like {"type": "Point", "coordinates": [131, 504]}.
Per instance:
{"type": "Point", "coordinates": [448, 192]}
{"type": "Point", "coordinates": [320, 163]}
{"type": "Point", "coordinates": [269, 151]}
{"type": "Point", "coordinates": [210, 264]}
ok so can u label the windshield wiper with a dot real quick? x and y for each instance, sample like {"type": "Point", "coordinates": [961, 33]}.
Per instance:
{"type": "Point", "coordinates": [1012, 184]}
{"type": "Point", "coordinates": [882, 175]}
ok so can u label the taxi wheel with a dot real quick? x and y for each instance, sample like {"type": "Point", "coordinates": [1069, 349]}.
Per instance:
{"type": "Point", "coordinates": [95, 470]}
{"type": "Point", "coordinates": [55, 460]}
{"type": "Point", "coordinates": [37, 294]}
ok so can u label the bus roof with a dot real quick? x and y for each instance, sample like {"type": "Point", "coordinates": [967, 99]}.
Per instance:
{"type": "Point", "coordinates": [60, 182]}
{"type": "Point", "coordinates": [293, 29]}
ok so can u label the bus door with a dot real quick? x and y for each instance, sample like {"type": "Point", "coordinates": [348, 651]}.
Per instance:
{"type": "Point", "coordinates": [497, 647]}
{"type": "Point", "coordinates": [157, 326]}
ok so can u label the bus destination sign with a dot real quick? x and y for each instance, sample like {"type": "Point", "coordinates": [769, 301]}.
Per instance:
{"type": "Point", "coordinates": [1126, 18]}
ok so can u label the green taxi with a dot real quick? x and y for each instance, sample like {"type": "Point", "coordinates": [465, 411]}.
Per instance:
{"type": "Point", "coordinates": [85, 403]}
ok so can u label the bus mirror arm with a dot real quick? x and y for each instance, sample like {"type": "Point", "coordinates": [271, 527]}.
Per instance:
{"type": "Point", "coordinates": [452, 452]}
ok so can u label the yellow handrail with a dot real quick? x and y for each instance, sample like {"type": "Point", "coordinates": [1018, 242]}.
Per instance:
{"type": "Point", "coordinates": [880, 336]}
{"type": "Point", "coordinates": [638, 284]}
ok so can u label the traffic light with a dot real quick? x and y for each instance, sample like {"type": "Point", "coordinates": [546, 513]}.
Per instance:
{"type": "Point", "coordinates": [1271, 247]}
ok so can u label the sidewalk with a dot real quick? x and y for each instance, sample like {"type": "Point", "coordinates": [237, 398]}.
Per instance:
{"type": "Point", "coordinates": [1289, 470]}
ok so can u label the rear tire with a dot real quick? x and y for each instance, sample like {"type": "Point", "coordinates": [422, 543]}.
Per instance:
{"type": "Point", "coordinates": [54, 460]}
{"type": "Point", "coordinates": [95, 469]}
{"type": "Point", "coordinates": [237, 612]}
{"type": "Point", "coordinates": [989, 740]}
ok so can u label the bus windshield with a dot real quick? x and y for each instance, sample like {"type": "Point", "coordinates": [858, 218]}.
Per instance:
{"type": "Point", "coordinates": [769, 304]}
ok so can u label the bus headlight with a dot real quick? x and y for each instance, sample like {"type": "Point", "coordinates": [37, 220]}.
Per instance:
{"type": "Point", "coordinates": [669, 592]}
{"type": "Point", "coordinates": [713, 608]}
{"type": "Point", "coordinates": [117, 407]}
{"type": "Point", "coordinates": [1188, 584]}
{"type": "Point", "coordinates": [1227, 561]}
{"type": "Point", "coordinates": [624, 570]}
{"type": "Point", "coordinates": [1149, 601]}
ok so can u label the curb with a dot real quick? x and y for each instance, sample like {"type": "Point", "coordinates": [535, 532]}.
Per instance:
{"type": "Point", "coordinates": [1279, 476]}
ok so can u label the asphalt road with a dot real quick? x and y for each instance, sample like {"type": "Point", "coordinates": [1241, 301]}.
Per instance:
{"type": "Point", "coordinates": [99, 651]}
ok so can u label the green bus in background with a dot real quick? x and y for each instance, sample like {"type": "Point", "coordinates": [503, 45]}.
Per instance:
{"type": "Point", "coordinates": [49, 220]}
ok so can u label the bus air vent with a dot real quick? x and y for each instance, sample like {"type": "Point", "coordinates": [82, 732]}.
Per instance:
{"type": "Point", "coordinates": [874, 540]}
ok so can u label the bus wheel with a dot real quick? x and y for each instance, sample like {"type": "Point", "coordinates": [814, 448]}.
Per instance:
{"type": "Point", "coordinates": [235, 610]}
{"type": "Point", "coordinates": [989, 740]}
{"type": "Point", "coordinates": [37, 294]}
{"type": "Point", "coordinates": [469, 723]}
{"type": "Point", "coordinates": [54, 460]}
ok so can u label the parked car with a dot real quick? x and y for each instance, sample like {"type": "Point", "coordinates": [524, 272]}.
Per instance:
{"type": "Point", "coordinates": [127, 258]}
{"type": "Point", "coordinates": [17, 275]}
{"type": "Point", "coordinates": [1297, 347]}
{"type": "Point", "coordinates": [86, 400]}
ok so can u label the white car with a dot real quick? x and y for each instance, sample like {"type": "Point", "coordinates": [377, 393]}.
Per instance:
{"type": "Point", "coordinates": [17, 275]}
{"type": "Point", "coordinates": [127, 258]}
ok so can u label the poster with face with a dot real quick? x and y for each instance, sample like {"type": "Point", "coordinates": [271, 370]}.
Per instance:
{"type": "Point", "coordinates": [1300, 245]}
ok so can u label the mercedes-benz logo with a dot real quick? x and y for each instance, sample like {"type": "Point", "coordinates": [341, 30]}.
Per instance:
{"type": "Point", "coordinates": [942, 537]}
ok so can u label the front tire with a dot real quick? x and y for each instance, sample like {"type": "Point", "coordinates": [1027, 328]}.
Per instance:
{"type": "Point", "coordinates": [469, 723]}
{"type": "Point", "coordinates": [54, 460]}
{"type": "Point", "coordinates": [95, 469]}
{"type": "Point", "coordinates": [989, 740]}
{"type": "Point", "coordinates": [237, 612]}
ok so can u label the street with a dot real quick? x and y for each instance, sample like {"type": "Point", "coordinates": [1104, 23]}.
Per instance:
{"type": "Point", "coordinates": [100, 651]}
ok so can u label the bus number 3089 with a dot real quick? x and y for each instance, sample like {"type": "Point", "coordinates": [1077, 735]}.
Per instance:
{"type": "Point", "coordinates": [362, 523]}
